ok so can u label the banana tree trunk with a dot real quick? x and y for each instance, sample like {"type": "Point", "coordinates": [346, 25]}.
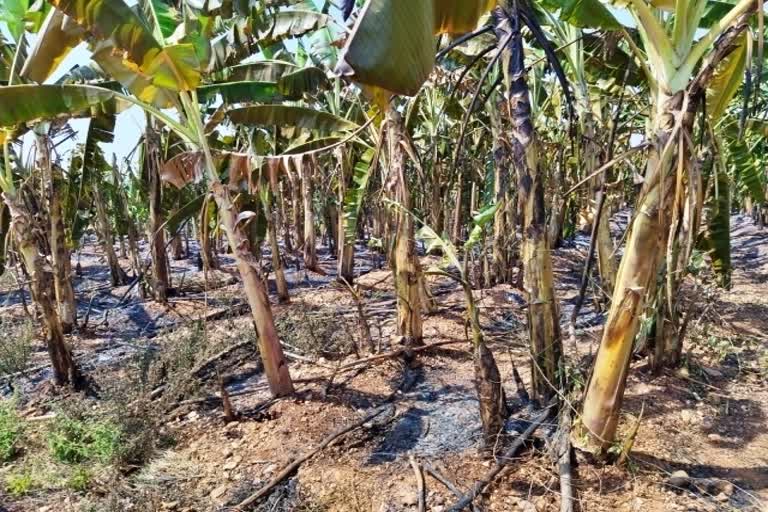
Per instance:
{"type": "Point", "coordinates": [306, 175]}
{"type": "Point", "coordinates": [60, 254]}
{"type": "Point", "coordinates": [406, 267]}
{"type": "Point", "coordinates": [283, 220]}
{"type": "Point", "coordinates": [277, 263]}
{"type": "Point", "coordinates": [160, 276]}
{"type": "Point", "coordinates": [275, 365]}
{"type": "Point", "coordinates": [606, 263]}
{"type": "Point", "coordinates": [346, 268]}
{"type": "Point", "coordinates": [131, 231]}
{"type": "Point", "coordinates": [116, 273]}
{"type": "Point", "coordinates": [637, 272]}
{"type": "Point", "coordinates": [65, 370]}
{"type": "Point", "coordinates": [543, 316]}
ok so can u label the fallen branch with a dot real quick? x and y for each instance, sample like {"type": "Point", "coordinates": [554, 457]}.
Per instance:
{"type": "Point", "coordinates": [501, 465]}
{"type": "Point", "coordinates": [420, 488]}
{"type": "Point", "coordinates": [290, 468]}
{"type": "Point", "coordinates": [396, 353]}
{"type": "Point", "coordinates": [564, 467]}
{"type": "Point", "coordinates": [443, 480]}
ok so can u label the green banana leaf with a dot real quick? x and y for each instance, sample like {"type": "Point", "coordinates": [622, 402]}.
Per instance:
{"type": "Point", "coordinates": [284, 115]}
{"type": "Point", "coordinates": [353, 199]}
{"type": "Point", "coordinates": [262, 71]}
{"type": "Point", "coordinates": [176, 67]}
{"type": "Point", "coordinates": [584, 13]}
{"type": "Point", "coordinates": [305, 80]}
{"type": "Point", "coordinates": [393, 46]}
{"type": "Point", "coordinates": [241, 92]}
{"type": "Point", "coordinates": [162, 18]}
{"type": "Point", "coordinates": [726, 81]}
{"type": "Point", "coordinates": [29, 103]}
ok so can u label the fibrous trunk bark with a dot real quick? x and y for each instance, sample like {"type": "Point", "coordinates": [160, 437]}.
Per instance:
{"type": "Point", "coordinates": [406, 267]}
{"type": "Point", "coordinates": [275, 365]}
{"type": "Point", "coordinates": [116, 273]}
{"type": "Point", "coordinates": [60, 254]}
{"type": "Point", "coordinates": [543, 317]}
{"type": "Point", "coordinates": [306, 175]}
{"type": "Point", "coordinates": [346, 269]}
{"type": "Point", "coordinates": [26, 234]}
{"type": "Point", "coordinates": [635, 278]}
{"type": "Point", "coordinates": [160, 277]}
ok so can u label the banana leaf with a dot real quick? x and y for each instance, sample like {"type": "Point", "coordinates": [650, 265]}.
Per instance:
{"type": "Point", "coordinates": [29, 103]}
{"type": "Point", "coordinates": [284, 115]}
{"type": "Point", "coordinates": [59, 36]}
{"type": "Point", "coordinates": [353, 199]}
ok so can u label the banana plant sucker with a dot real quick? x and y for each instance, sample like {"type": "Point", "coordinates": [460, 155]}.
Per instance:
{"type": "Point", "coordinates": [676, 95]}
{"type": "Point", "coordinates": [543, 316]}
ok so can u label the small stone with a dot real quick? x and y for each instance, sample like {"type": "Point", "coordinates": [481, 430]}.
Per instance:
{"type": "Point", "coordinates": [218, 492]}
{"type": "Point", "coordinates": [678, 479]}
{"type": "Point", "coordinates": [715, 438]}
{"type": "Point", "coordinates": [407, 497]}
{"type": "Point", "coordinates": [722, 497]}
{"type": "Point", "coordinates": [232, 464]}
{"type": "Point", "coordinates": [193, 416]}
{"type": "Point", "coordinates": [714, 373]}
{"type": "Point", "coordinates": [170, 505]}
{"type": "Point", "coordinates": [717, 486]}
{"type": "Point", "coordinates": [687, 416]}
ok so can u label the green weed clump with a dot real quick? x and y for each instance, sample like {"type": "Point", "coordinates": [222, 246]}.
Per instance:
{"type": "Point", "coordinates": [11, 428]}
{"type": "Point", "coordinates": [73, 440]}
{"type": "Point", "coordinates": [18, 484]}
{"type": "Point", "coordinates": [17, 347]}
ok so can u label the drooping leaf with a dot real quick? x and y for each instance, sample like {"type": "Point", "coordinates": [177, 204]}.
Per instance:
{"type": "Point", "coordinates": [186, 212]}
{"type": "Point", "coordinates": [305, 80]}
{"type": "Point", "coordinates": [162, 18]}
{"type": "Point", "coordinates": [59, 36]}
{"type": "Point", "coordinates": [434, 241]}
{"type": "Point", "coordinates": [480, 220]}
{"type": "Point", "coordinates": [182, 169]}
{"type": "Point", "coordinates": [353, 199]}
{"type": "Point", "coordinates": [176, 67]}
{"type": "Point", "coordinates": [241, 92]}
{"type": "Point", "coordinates": [726, 81]}
{"type": "Point", "coordinates": [291, 23]}
{"type": "Point", "coordinates": [284, 115]}
{"type": "Point", "coordinates": [393, 47]}
{"type": "Point", "coordinates": [27, 103]}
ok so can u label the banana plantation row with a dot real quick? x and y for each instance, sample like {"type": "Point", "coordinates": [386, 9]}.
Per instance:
{"type": "Point", "coordinates": [488, 131]}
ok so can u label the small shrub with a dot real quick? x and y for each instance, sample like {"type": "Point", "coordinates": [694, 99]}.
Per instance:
{"type": "Point", "coordinates": [18, 484]}
{"type": "Point", "coordinates": [16, 348]}
{"type": "Point", "coordinates": [72, 440]}
{"type": "Point", "coordinates": [79, 480]}
{"type": "Point", "coordinates": [10, 430]}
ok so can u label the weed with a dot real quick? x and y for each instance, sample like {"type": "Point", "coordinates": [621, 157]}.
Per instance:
{"type": "Point", "coordinates": [79, 480]}
{"type": "Point", "coordinates": [18, 484]}
{"type": "Point", "coordinates": [72, 440]}
{"type": "Point", "coordinates": [10, 429]}
{"type": "Point", "coordinates": [16, 348]}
